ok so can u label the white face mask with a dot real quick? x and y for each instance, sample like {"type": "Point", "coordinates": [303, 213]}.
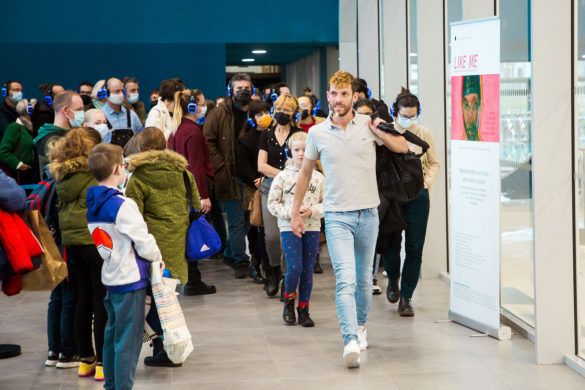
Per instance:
{"type": "Point", "coordinates": [202, 113]}
{"type": "Point", "coordinates": [116, 99]}
{"type": "Point", "coordinates": [102, 128]}
{"type": "Point", "coordinates": [133, 98]}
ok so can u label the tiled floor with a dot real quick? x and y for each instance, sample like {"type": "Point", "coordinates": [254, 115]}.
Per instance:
{"type": "Point", "coordinates": [241, 343]}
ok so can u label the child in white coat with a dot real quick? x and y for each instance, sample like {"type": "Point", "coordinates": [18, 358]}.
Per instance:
{"type": "Point", "coordinates": [299, 253]}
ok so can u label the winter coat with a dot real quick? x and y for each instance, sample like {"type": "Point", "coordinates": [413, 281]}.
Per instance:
{"type": "Point", "coordinates": [160, 117]}
{"type": "Point", "coordinates": [16, 136]}
{"type": "Point", "coordinates": [247, 160]}
{"type": "Point", "coordinates": [73, 179]}
{"type": "Point", "coordinates": [138, 108]}
{"type": "Point", "coordinates": [158, 188]}
{"type": "Point", "coordinates": [47, 134]}
{"type": "Point", "coordinates": [282, 193]}
{"type": "Point", "coordinates": [7, 116]}
{"type": "Point", "coordinates": [189, 142]}
{"type": "Point", "coordinates": [12, 196]}
{"type": "Point", "coordinates": [222, 138]}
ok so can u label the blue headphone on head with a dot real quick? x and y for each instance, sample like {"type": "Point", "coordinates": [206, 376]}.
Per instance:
{"type": "Point", "coordinates": [369, 93]}
{"type": "Point", "coordinates": [394, 107]}
{"type": "Point", "coordinates": [4, 90]}
{"type": "Point", "coordinates": [251, 122]}
{"type": "Point", "coordinates": [192, 106]}
{"type": "Point", "coordinates": [317, 108]}
{"type": "Point", "coordinates": [273, 95]}
{"type": "Point", "coordinates": [29, 109]}
{"type": "Point", "coordinates": [48, 97]}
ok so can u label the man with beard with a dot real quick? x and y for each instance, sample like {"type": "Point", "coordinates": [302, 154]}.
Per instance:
{"type": "Point", "coordinates": [223, 127]}
{"type": "Point", "coordinates": [346, 145]}
{"type": "Point", "coordinates": [471, 106]}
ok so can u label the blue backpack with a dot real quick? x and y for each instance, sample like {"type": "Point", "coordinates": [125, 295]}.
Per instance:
{"type": "Point", "coordinates": [44, 199]}
{"type": "Point", "coordinates": [202, 239]}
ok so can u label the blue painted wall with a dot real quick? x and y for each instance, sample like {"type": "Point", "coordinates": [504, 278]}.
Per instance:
{"type": "Point", "coordinates": [69, 41]}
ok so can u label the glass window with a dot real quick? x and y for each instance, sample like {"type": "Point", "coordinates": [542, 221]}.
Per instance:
{"type": "Point", "coordinates": [517, 295]}
{"type": "Point", "coordinates": [580, 174]}
{"type": "Point", "coordinates": [412, 47]}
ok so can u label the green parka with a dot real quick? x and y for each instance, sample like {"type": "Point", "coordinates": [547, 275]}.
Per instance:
{"type": "Point", "coordinates": [158, 188]}
{"type": "Point", "coordinates": [73, 179]}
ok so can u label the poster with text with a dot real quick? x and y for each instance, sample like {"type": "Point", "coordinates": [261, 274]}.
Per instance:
{"type": "Point", "coordinates": [475, 175]}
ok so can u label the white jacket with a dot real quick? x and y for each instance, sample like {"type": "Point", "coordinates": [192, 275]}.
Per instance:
{"type": "Point", "coordinates": [122, 239]}
{"type": "Point", "coordinates": [159, 116]}
{"type": "Point", "coordinates": [281, 195]}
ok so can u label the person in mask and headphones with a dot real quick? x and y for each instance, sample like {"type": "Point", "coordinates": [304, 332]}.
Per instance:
{"type": "Point", "coordinates": [307, 120]}
{"type": "Point", "coordinates": [222, 129]}
{"type": "Point", "coordinates": [131, 98]}
{"type": "Point", "coordinates": [96, 119]}
{"type": "Point", "coordinates": [12, 90]}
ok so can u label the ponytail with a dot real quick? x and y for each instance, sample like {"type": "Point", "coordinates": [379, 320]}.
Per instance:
{"type": "Point", "coordinates": [177, 112]}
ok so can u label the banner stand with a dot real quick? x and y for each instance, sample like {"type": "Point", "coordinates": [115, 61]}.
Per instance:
{"type": "Point", "coordinates": [502, 333]}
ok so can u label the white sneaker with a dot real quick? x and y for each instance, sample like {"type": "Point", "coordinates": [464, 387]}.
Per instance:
{"type": "Point", "coordinates": [351, 354]}
{"type": "Point", "coordinates": [363, 338]}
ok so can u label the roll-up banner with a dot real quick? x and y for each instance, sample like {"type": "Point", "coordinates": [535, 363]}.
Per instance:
{"type": "Point", "coordinates": [475, 176]}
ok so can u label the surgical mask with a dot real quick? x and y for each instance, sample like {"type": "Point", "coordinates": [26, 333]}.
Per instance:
{"type": "Point", "coordinates": [78, 119]}
{"type": "Point", "coordinates": [243, 97]}
{"type": "Point", "coordinates": [281, 118]}
{"type": "Point", "coordinates": [103, 129]}
{"type": "Point", "coordinates": [202, 113]}
{"type": "Point", "coordinates": [16, 97]}
{"type": "Point", "coordinates": [133, 98]}
{"type": "Point", "coordinates": [265, 121]}
{"type": "Point", "coordinates": [405, 123]}
{"type": "Point", "coordinates": [116, 99]}
{"type": "Point", "coordinates": [98, 104]}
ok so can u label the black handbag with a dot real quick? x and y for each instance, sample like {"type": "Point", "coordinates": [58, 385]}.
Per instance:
{"type": "Point", "coordinates": [400, 176]}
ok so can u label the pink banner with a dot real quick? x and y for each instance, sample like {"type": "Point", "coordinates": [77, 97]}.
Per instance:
{"type": "Point", "coordinates": [475, 108]}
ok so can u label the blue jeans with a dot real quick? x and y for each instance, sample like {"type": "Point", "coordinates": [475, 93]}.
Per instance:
{"type": "Point", "coordinates": [351, 239]}
{"type": "Point", "coordinates": [416, 213]}
{"type": "Point", "coordinates": [123, 337]}
{"type": "Point", "coordinates": [61, 315]}
{"type": "Point", "coordinates": [237, 229]}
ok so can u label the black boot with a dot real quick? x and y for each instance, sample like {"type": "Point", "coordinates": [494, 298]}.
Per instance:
{"type": "Point", "coordinates": [317, 269]}
{"type": "Point", "coordinates": [195, 285]}
{"type": "Point", "coordinates": [256, 272]}
{"type": "Point", "coordinates": [393, 290]}
{"type": "Point", "coordinates": [304, 317]}
{"type": "Point", "coordinates": [282, 298]}
{"type": "Point", "coordinates": [405, 308]}
{"type": "Point", "coordinates": [288, 315]}
{"type": "Point", "coordinates": [273, 280]}
{"type": "Point", "coordinates": [159, 356]}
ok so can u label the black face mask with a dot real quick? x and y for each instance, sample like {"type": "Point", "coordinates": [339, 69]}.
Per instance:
{"type": "Point", "coordinates": [86, 99]}
{"type": "Point", "coordinates": [153, 103]}
{"type": "Point", "coordinates": [281, 118]}
{"type": "Point", "coordinates": [243, 97]}
{"type": "Point", "coordinates": [305, 114]}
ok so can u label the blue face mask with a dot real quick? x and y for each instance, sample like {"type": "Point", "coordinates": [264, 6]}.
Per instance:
{"type": "Point", "coordinates": [16, 97]}
{"type": "Point", "coordinates": [405, 123]}
{"type": "Point", "coordinates": [78, 119]}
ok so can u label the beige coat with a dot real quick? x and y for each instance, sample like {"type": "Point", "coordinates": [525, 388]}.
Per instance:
{"type": "Point", "coordinates": [430, 160]}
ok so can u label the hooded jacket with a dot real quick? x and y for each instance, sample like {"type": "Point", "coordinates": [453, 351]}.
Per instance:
{"type": "Point", "coordinates": [222, 138]}
{"type": "Point", "coordinates": [158, 188]}
{"type": "Point", "coordinates": [47, 133]}
{"type": "Point", "coordinates": [73, 179]}
{"type": "Point", "coordinates": [282, 193]}
{"type": "Point", "coordinates": [122, 239]}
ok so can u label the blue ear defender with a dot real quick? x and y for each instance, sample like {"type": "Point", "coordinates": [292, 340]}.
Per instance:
{"type": "Point", "coordinates": [253, 91]}
{"type": "Point", "coordinates": [200, 121]}
{"type": "Point", "coordinates": [48, 100]}
{"type": "Point", "coordinates": [192, 106]}
{"type": "Point", "coordinates": [229, 90]}
{"type": "Point", "coordinates": [369, 93]}
{"type": "Point", "coordinates": [317, 108]}
{"type": "Point", "coordinates": [4, 90]}
{"type": "Point", "coordinates": [29, 109]}
{"type": "Point", "coordinates": [251, 123]}
{"type": "Point", "coordinates": [297, 117]}
{"type": "Point", "coordinates": [273, 95]}
{"type": "Point", "coordinates": [102, 93]}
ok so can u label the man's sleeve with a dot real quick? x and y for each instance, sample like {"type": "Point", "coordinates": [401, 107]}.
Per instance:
{"type": "Point", "coordinates": [135, 121]}
{"type": "Point", "coordinates": [311, 151]}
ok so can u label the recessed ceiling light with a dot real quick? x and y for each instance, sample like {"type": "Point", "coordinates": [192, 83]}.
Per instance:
{"type": "Point", "coordinates": [247, 60]}
{"type": "Point", "coordinates": [413, 54]}
{"type": "Point", "coordinates": [258, 51]}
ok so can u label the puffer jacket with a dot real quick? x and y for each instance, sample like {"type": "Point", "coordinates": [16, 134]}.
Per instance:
{"type": "Point", "coordinates": [221, 137]}
{"type": "Point", "coordinates": [158, 188]}
{"type": "Point", "coordinates": [72, 179]}
{"type": "Point", "coordinates": [282, 193]}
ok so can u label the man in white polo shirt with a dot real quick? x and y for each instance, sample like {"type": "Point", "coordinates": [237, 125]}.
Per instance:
{"type": "Point", "coordinates": [345, 144]}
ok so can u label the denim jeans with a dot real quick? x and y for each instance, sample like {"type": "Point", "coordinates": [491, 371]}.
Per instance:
{"type": "Point", "coordinates": [123, 337]}
{"type": "Point", "coordinates": [237, 229]}
{"type": "Point", "coordinates": [61, 315]}
{"type": "Point", "coordinates": [351, 239]}
{"type": "Point", "coordinates": [416, 213]}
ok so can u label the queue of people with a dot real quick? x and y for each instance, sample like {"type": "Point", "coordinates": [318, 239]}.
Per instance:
{"type": "Point", "coordinates": [305, 167]}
